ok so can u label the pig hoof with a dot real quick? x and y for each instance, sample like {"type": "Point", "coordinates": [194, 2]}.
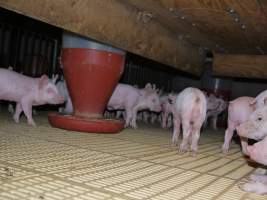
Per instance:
{"type": "Point", "coordinates": [32, 124]}
{"type": "Point", "coordinates": [225, 151]}
{"type": "Point", "coordinates": [174, 143]}
{"type": "Point", "coordinates": [193, 153]}
{"type": "Point", "coordinates": [16, 120]}
{"type": "Point", "coordinates": [258, 178]}
{"type": "Point", "coordinates": [255, 187]}
{"type": "Point", "coordinates": [254, 177]}
{"type": "Point", "coordinates": [260, 171]}
{"type": "Point", "coordinates": [182, 151]}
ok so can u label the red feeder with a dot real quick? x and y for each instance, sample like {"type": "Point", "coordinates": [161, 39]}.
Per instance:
{"type": "Point", "coordinates": [92, 71]}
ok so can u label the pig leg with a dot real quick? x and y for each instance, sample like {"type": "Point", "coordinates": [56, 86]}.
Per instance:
{"type": "Point", "coordinates": [244, 144]}
{"type": "Point", "coordinates": [164, 119]}
{"type": "Point", "coordinates": [165, 116]}
{"type": "Point", "coordinates": [60, 109]}
{"type": "Point", "coordinates": [228, 136]}
{"type": "Point", "coordinates": [255, 187]}
{"type": "Point", "coordinates": [194, 143]}
{"type": "Point", "coordinates": [186, 136]}
{"type": "Point", "coordinates": [176, 131]}
{"type": "Point", "coordinates": [17, 113]}
{"type": "Point", "coordinates": [260, 171]}
{"type": "Point", "coordinates": [123, 114]}
{"type": "Point", "coordinates": [128, 118]}
{"type": "Point", "coordinates": [27, 109]}
{"type": "Point", "coordinates": [258, 178]}
{"type": "Point", "coordinates": [68, 107]}
{"type": "Point", "coordinates": [10, 108]}
{"type": "Point", "coordinates": [214, 122]}
{"type": "Point", "coordinates": [169, 121]}
{"type": "Point", "coordinates": [133, 120]}
{"type": "Point", "coordinates": [118, 114]}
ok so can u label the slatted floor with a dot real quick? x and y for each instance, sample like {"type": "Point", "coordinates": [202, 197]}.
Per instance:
{"type": "Point", "coordinates": [47, 163]}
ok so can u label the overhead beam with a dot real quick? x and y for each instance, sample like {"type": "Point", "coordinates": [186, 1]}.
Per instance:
{"type": "Point", "coordinates": [117, 24]}
{"type": "Point", "coordinates": [243, 66]}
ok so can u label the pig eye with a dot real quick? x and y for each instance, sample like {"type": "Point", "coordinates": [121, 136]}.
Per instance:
{"type": "Point", "coordinates": [153, 100]}
{"type": "Point", "coordinates": [259, 118]}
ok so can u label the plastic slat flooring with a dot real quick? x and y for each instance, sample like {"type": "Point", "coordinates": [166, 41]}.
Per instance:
{"type": "Point", "coordinates": [54, 164]}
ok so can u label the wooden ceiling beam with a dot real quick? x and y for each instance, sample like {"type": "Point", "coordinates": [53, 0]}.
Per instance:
{"type": "Point", "coordinates": [240, 65]}
{"type": "Point", "coordinates": [117, 24]}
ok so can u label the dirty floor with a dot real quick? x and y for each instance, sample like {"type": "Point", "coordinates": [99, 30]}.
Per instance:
{"type": "Point", "coordinates": [48, 163]}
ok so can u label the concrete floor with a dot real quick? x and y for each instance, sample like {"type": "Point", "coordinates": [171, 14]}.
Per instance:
{"type": "Point", "coordinates": [48, 163]}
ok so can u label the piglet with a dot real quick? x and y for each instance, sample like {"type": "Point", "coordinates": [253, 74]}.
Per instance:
{"type": "Point", "coordinates": [215, 106]}
{"type": "Point", "coordinates": [239, 111]}
{"type": "Point", "coordinates": [166, 107]}
{"type": "Point", "coordinates": [27, 92]}
{"type": "Point", "coordinates": [131, 99]}
{"type": "Point", "coordinates": [258, 182]}
{"type": "Point", "coordinates": [189, 110]}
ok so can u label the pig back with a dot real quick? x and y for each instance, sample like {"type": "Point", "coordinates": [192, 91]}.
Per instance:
{"type": "Point", "coordinates": [13, 86]}
{"type": "Point", "coordinates": [191, 104]}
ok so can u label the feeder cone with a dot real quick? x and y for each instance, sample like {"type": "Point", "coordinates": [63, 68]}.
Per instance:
{"type": "Point", "coordinates": [92, 71]}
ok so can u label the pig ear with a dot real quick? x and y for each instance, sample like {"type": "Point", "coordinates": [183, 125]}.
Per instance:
{"type": "Point", "coordinates": [252, 103]}
{"type": "Point", "coordinates": [54, 78]}
{"type": "Point", "coordinates": [44, 80]}
{"type": "Point", "coordinates": [148, 87]}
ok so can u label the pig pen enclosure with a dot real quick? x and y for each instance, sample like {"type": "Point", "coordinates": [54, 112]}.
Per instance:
{"type": "Point", "coordinates": [218, 46]}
